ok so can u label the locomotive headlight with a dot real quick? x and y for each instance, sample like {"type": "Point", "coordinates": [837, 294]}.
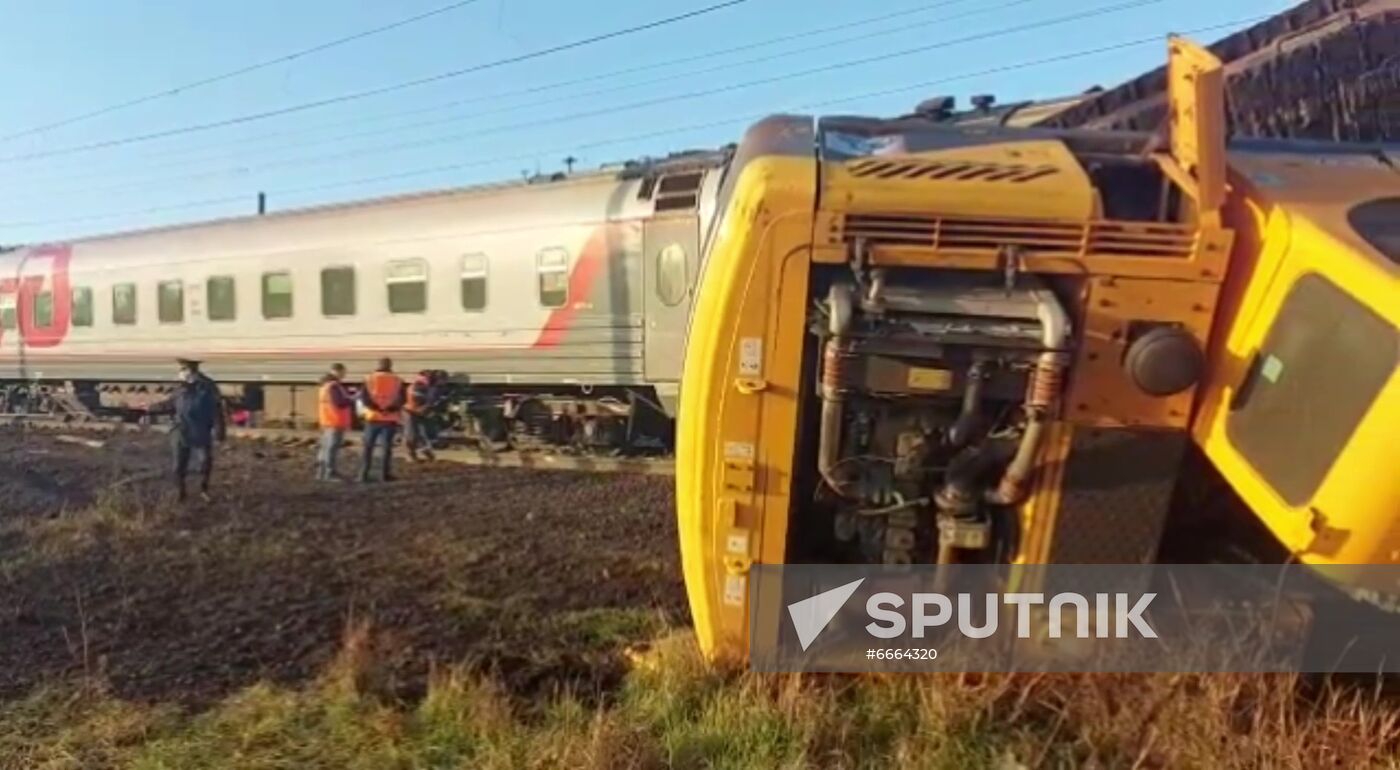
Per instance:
{"type": "Point", "coordinates": [1164, 360]}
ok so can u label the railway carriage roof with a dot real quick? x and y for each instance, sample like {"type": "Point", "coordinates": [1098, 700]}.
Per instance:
{"type": "Point", "coordinates": [616, 173]}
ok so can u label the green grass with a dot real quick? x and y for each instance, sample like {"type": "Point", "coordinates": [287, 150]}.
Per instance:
{"type": "Point", "coordinates": [673, 711]}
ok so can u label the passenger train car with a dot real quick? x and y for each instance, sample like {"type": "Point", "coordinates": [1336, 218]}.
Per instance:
{"type": "Point", "coordinates": [549, 299]}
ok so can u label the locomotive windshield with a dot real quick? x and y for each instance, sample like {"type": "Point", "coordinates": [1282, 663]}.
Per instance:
{"type": "Point", "coordinates": [1378, 221]}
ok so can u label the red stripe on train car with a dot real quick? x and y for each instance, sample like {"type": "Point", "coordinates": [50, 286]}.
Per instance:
{"type": "Point", "coordinates": [591, 262]}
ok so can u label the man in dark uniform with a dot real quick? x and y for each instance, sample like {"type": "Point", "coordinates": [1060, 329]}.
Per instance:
{"type": "Point", "coordinates": [198, 409]}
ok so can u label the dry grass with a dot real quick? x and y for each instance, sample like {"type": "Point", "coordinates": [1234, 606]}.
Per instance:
{"type": "Point", "coordinates": [673, 711]}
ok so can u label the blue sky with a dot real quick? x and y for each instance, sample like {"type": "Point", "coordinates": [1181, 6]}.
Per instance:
{"type": "Point", "coordinates": [66, 57]}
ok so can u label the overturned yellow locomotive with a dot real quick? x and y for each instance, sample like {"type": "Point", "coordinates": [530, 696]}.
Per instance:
{"type": "Point", "coordinates": [915, 341]}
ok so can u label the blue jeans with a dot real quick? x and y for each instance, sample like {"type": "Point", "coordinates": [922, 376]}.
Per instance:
{"type": "Point", "coordinates": [329, 453]}
{"type": "Point", "coordinates": [378, 433]}
{"type": "Point", "coordinates": [418, 435]}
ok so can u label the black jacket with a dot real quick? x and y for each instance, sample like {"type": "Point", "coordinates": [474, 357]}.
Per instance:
{"type": "Point", "coordinates": [198, 408]}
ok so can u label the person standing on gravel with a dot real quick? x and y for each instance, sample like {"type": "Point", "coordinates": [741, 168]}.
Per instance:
{"type": "Point", "coordinates": [383, 398]}
{"type": "Point", "coordinates": [335, 409]}
{"type": "Point", "coordinates": [198, 408]}
{"type": "Point", "coordinates": [423, 396]}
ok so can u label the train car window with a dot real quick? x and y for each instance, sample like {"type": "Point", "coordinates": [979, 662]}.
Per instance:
{"type": "Point", "coordinates": [553, 266]}
{"type": "Point", "coordinates": [43, 310]}
{"type": "Point", "coordinates": [1322, 365]}
{"type": "Point", "coordinates": [170, 302]}
{"type": "Point", "coordinates": [277, 295]}
{"type": "Point", "coordinates": [407, 282]}
{"type": "Point", "coordinates": [1378, 221]}
{"type": "Point", "coordinates": [9, 316]}
{"type": "Point", "coordinates": [338, 291]}
{"type": "Point", "coordinates": [672, 280]}
{"type": "Point", "coordinates": [474, 282]}
{"type": "Point", "coordinates": [124, 304]}
{"type": "Point", "coordinates": [220, 294]}
{"type": "Point", "coordinates": [82, 306]}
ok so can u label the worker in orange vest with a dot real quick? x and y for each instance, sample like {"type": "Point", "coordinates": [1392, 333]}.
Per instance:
{"type": "Point", "coordinates": [335, 409]}
{"type": "Point", "coordinates": [423, 396]}
{"type": "Point", "coordinates": [382, 397]}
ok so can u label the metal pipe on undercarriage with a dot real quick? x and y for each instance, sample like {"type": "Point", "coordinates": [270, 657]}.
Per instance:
{"type": "Point", "coordinates": [835, 358]}
{"type": "Point", "coordinates": [1043, 393]}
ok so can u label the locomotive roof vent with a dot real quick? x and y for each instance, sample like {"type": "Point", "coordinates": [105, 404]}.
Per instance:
{"type": "Point", "coordinates": [951, 170]}
{"type": "Point", "coordinates": [674, 192]}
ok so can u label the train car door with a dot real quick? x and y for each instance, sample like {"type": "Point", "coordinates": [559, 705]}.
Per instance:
{"type": "Point", "coordinates": [670, 248]}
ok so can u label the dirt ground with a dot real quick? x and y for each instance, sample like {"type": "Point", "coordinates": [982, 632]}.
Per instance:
{"type": "Point", "coordinates": [541, 577]}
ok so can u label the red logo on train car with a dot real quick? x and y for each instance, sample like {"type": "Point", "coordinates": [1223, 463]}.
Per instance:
{"type": "Point", "coordinates": [43, 270]}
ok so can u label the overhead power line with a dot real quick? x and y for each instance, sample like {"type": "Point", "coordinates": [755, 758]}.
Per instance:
{"type": "Point", "coordinates": [1015, 66]}
{"type": "Point", "coordinates": [231, 74]}
{"type": "Point", "coordinates": [560, 84]}
{"type": "Point", "coordinates": [675, 97]}
{"type": "Point", "coordinates": [396, 129]}
{"type": "Point", "coordinates": [365, 94]}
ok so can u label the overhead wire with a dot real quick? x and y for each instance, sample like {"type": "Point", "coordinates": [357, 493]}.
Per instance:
{"type": "Point", "coordinates": [556, 85]}
{"type": "Point", "coordinates": [671, 98]}
{"type": "Point", "coordinates": [367, 93]}
{"type": "Point", "coordinates": [1099, 50]}
{"type": "Point", "coordinates": [238, 72]}
{"type": "Point", "coordinates": [589, 94]}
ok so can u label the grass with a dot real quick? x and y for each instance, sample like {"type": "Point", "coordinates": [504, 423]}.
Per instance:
{"type": "Point", "coordinates": [673, 711]}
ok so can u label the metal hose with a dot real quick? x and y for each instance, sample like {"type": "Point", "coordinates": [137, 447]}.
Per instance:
{"type": "Point", "coordinates": [1043, 392]}
{"type": "Point", "coordinates": [834, 360]}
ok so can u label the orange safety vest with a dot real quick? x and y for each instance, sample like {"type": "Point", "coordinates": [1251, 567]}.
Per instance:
{"type": "Point", "coordinates": [384, 390]}
{"type": "Point", "coordinates": [332, 417]}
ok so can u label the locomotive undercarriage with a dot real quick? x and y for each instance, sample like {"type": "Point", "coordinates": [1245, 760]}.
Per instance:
{"type": "Point", "coordinates": [930, 394]}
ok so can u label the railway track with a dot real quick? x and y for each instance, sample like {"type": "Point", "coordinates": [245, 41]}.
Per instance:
{"type": "Point", "coordinates": [464, 455]}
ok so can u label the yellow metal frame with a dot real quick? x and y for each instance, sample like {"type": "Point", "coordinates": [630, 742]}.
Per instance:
{"type": "Point", "coordinates": [738, 416]}
{"type": "Point", "coordinates": [1294, 224]}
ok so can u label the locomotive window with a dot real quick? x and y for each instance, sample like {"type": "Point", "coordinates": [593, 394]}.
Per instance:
{"type": "Point", "coordinates": [220, 294]}
{"type": "Point", "coordinates": [170, 302]}
{"type": "Point", "coordinates": [1325, 359]}
{"type": "Point", "coordinates": [124, 304]}
{"type": "Point", "coordinates": [277, 295]}
{"type": "Point", "coordinates": [1378, 221]}
{"type": "Point", "coordinates": [338, 291]}
{"type": "Point", "coordinates": [43, 310]}
{"type": "Point", "coordinates": [671, 279]}
{"type": "Point", "coordinates": [474, 282]}
{"type": "Point", "coordinates": [408, 286]}
{"type": "Point", "coordinates": [8, 315]}
{"type": "Point", "coordinates": [553, 266]}
{"type": "Point", "coordinates": [82, 306]}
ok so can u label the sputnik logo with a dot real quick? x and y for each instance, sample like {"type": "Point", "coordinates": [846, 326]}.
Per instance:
{"type": "Point", "coordinates": [812, 615]}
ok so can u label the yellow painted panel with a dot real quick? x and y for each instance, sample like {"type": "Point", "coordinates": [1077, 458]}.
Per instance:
{"type": "Point", "coordinates": [738, 395]}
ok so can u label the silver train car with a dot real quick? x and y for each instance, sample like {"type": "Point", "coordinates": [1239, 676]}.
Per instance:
{"type": "Point", "coordinates": [557, 306]}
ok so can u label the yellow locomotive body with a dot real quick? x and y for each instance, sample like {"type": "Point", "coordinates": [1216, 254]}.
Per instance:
{"type": "Point", "coordinates": [922, 343]}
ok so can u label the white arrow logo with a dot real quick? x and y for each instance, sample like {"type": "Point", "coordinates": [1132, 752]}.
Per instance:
{"type": "Point", "coordinates": [810, 616]}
